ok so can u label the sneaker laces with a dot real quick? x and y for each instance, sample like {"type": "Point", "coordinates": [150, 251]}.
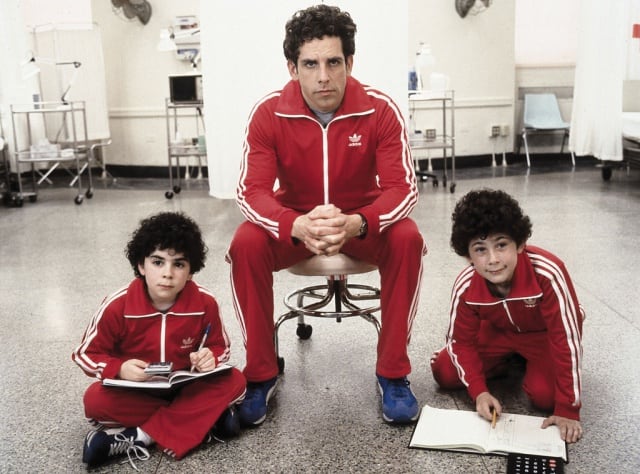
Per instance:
{"type": "Point", "coordinates": [126, 445]}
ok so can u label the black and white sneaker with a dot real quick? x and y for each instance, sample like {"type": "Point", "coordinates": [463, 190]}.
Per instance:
{"type": "Point", "coordinates": [103, 446]}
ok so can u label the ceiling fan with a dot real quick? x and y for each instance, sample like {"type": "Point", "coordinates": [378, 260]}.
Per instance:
{"type": "Point", "coordinates": [132, 9]}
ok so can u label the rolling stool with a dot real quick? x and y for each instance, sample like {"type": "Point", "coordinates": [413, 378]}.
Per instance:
{"type": "Point", "coordinates": [335, 269]}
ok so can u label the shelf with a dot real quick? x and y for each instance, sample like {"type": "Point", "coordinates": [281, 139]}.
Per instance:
{"type": "Point", "coordinates": [421, 143]}
{"type": "Point", "coordinates": [186, 150]}
{"type": "Point", "coordinates": [426, 95]}
{"type": "Point", "coordinates": [45, 156]}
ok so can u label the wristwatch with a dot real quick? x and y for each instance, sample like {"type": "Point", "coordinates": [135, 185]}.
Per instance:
{"type": "Point", "coordinates": [364, 227]}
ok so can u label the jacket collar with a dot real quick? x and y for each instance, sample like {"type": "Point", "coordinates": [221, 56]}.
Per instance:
{"type": "Point", "coordinates": [138, 303]}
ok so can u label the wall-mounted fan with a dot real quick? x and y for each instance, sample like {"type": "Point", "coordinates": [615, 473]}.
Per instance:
{"type": "Point", "coordinates": [132, 9]}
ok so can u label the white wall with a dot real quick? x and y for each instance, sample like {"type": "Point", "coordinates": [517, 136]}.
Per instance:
{"type": "Point", "coordinates": [137, 80]}
{"type": "Point", "coordinates": [477, 52]}
{"type": "Point", "coordinates": [544, 32]}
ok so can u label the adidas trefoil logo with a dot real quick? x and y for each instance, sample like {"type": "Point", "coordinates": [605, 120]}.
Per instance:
{"type": "Point", "coordinates": [187, 342]}
{"type": "Point", "coordinates": [354, 140]}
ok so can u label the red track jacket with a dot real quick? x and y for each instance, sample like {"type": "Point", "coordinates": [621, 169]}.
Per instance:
{"type": "Point", "coordinates": [351, 163]}
{"type": "Point", "coordinates": [542, 298]}
{"type": "Point", "coordinates": [127, 326]}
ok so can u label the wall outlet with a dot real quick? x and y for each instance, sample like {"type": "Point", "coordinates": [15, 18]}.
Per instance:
{"type": "Point", "coordinates": [495, 131]}
{"type": "Point", "coordinates": [504, 130]}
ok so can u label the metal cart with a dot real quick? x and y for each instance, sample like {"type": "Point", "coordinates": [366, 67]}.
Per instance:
{"type": "Point", "coordinates": [180, 147]}
{"type": "Point", "coordinates": [49, 136]}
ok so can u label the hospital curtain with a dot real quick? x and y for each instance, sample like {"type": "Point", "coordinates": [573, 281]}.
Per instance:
{"type": "Point", "coordinates": [604, 39]}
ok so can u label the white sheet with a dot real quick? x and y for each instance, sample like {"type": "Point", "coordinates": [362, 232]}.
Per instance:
{"type": "Point", "coordinates": [631, 125]}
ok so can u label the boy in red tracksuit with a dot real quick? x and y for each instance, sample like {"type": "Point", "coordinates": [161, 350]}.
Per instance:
{"type": "Point", "coordinates": [513, 299]}
{"type": "Point", "coordinates": [161, 316]}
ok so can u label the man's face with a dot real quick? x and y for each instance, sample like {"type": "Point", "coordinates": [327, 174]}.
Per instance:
{"type": "Point", "coordinates": [322, 72]}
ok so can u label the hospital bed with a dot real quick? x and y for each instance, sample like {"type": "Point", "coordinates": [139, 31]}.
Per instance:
{"type": "Point", "coordinates": [630, 130]}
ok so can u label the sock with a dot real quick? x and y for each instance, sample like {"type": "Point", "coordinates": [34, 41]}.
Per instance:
{"type": "Point", "coordinates": [144, 437]}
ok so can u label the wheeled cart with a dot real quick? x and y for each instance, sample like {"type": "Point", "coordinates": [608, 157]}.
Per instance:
{"type": "Point", "coordinates": [445, 141]}
{"type": "Point", "coordinates": [185, 139]}
{"type": "Point", "coordinates": [47, 136]}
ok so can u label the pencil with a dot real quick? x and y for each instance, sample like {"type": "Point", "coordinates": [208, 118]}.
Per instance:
{"type": "Point", "coordinates": [494, 417]}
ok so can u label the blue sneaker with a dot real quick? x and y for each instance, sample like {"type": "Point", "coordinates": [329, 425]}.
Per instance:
{"type": "Point", "coordinates": [102, 446]}
{"type": "Point", "coordinates": [399, 404]}
{"type": "Point", "coordinates": [253, 409]}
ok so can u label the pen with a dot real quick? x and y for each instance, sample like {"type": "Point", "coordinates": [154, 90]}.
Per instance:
{"type": "Point", "coordinates": [494, 417]}
{"type": "Point", "coordinates": [204, 339]}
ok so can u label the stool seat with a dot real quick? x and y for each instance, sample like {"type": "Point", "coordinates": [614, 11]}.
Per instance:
{"type": "Point", "coordinates": [336, 298]}
{"type": "Point", "coordinates": [323, 265]}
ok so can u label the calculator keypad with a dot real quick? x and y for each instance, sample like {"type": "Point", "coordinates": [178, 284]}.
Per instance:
{"type": "Point", "coordinates": [529, 464]}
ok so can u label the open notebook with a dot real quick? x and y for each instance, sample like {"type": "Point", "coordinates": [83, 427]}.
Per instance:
{"type": "Point", "coordinates": [466, 431]}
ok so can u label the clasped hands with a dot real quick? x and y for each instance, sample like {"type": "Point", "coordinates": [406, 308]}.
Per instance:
{"type": "Point", "coordinates": [570, 430]}
{"type": "Point", "coordinates": [133, 369]}
{"type": "Point", "coordinates": [325, 229]}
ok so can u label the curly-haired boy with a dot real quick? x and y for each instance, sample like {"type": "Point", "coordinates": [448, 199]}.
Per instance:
{"type": "Point", "coordinates": [514, 298]}
{"type": "Point", "coordinates": [160, 316]}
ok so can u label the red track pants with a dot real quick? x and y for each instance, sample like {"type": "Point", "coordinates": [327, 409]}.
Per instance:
{"type": "Point", "coordinates": [254, 255]}
{"type": "Point", "coordinates": [493, 348]}
{"type": "Point", "coordinates": [178, 421]}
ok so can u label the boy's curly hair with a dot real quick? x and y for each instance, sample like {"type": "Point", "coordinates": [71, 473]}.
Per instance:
{"type": "Point", "coordinates": [314, 23]}
{"type": "Point", "coordinates": [164, 231]}
{"type": "Point", "coordinates": [483, 212]}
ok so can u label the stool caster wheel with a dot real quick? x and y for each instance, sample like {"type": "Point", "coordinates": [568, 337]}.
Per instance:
{"type": "Point", "coordinates": [304, 331]}
{"type": "Point", "coordinates": [280, 365]}
{"type": "Point", "coordinates": [168, 194]}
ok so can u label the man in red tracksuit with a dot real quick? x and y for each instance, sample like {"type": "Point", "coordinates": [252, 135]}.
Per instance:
{"type": "Point", "coordinates": [162, 315]}
{"type": "Point", "coordinates": [326, 168]}
{"type": "Point", "coordinates": [513, 299]}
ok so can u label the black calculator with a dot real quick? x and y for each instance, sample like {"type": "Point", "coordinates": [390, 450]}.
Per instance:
{"type": "Point", "coordinates": [530, 464]}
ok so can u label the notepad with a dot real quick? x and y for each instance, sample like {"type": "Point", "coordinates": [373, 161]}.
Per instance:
{"type": "Point", "coordinates": [165, 382]}
{"type": "Point", "coordinates": [466, 431]}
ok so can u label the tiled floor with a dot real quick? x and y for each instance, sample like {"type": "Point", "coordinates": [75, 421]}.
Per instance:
{"type": "Point", "coordinates": [58, 260]}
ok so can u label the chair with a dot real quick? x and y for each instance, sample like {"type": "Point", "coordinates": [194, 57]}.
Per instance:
{"type": "Point", "coordinates": [335, 290]}
{"type": "Point", "coordinates": [542, 116]}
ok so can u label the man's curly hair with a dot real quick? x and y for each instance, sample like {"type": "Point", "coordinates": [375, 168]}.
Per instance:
{"type": "Point", "coordinates": [314, 23]}
{"type": "Point", "coordinates": [167, 231]}
{"type": "Point", "coordinates": [483, 212]}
